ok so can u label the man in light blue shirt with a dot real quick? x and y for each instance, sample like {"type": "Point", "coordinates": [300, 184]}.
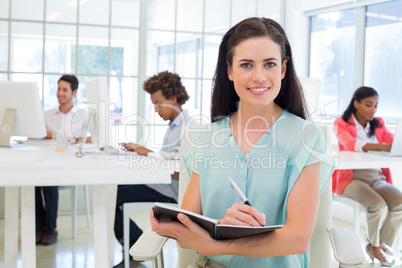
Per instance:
{"type": "Point", "coordinates": [168, 95]}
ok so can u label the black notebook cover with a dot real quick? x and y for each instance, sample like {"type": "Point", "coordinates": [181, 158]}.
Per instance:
{"type": "Point", "coordinates": [165, 213]}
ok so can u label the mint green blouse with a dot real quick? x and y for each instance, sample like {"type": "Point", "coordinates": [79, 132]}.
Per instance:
{"type": "Point", "coordinates": [266, 175]}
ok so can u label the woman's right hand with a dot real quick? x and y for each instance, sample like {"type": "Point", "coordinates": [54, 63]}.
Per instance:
{"type": "Point", "coordinates": [127, 146]}
{"type": "Point", "coordinates": [136, 148]}
{"type": "Point", "coordinates": [387, 147]}
{"type": "Point", "coordinates": [377, 147]}
{"type": "Point", "coordinates": [243, 215]}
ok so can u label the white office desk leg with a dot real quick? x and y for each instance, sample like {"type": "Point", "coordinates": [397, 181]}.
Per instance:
{"type": "Point", "coordinates": [103, 215]}
{"type": "Point", "coordinates": [111, 193]}
{"type": "Point", "coordinates": [28, 247]}
{"type": "Point", "coordinates": [11, 226]}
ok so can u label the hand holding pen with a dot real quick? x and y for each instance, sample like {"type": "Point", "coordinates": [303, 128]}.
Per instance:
{"type": "Point", "coordinates": [244, 199]}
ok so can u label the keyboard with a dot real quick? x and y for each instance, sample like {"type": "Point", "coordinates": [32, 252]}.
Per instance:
{"type": "Point", "coordinates": [111, 150]}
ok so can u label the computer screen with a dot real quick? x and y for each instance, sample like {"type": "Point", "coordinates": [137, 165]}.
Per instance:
{"type": "Point", "coordinates": [98, 103]}
{"type": "Point", "coordinates": [28, 119]}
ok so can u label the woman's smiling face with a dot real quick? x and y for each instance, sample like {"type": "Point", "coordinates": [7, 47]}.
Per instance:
{"type": "Point", "coordinates": [366, 108]}
{"type": "Point", "coordinates": [257, 71]}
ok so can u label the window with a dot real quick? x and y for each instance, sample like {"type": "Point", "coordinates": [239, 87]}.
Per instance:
{"type": "Point", "coordinates": [59, 43]}
{"type": "Point", "coordinates": [50, 38]}
{"type": "Point", "coordinates": [4, 7]}
{"type": "Point", "coordinates": [3, 45]}
{"type": "Point", "coordinates": [372, 33]}
{"type": "Point", "coordinates": [383, 57]}
{"type": "Point", "coordinates": [187, 43]}
{"type": "Point", "coordinates": [40, 40]}
{"type": "Point", "coordinates": [26, 47]}
{"type": "Point", "coordinates": [332, 51]}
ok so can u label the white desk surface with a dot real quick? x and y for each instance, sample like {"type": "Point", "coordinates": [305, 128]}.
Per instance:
{"type": "Point", "coordinates": [42, 166]}
{"type": "Point", "coordinates": [39, 165]}
{"type": "Point", "coordinates": [363, 160]}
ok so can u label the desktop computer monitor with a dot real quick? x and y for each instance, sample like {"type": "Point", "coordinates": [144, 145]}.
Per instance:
{"type": "Point", "coordinates": [21, 111]}
{"type": "Point", "coordinates": [98, 124]}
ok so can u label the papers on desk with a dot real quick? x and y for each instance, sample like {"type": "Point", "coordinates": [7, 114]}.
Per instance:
{"type": "Point", "coordinates": [18, 157]}
{"type": "Point", "coordinates": [135, 161]}
{"type": "Point", "coordinates": [172, 155]}
{"type": "Point", "coordinates": [40, 142]}
{"type": "Point", "coordinates": [105, 155]}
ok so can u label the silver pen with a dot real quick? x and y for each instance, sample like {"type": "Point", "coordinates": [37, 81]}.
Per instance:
{"type": "Point", "coordinates": [238, 192]}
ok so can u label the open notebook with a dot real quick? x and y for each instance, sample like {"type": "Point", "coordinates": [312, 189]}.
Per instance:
{"type": "Point", "coordinates": [166, 213]}
{"type": "Point", "coordinates": [396, 149]}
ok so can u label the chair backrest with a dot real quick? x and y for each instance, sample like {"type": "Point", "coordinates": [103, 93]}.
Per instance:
{"type": "Point", "coordinates": [187, 134]}
{"type": "Point", "coordinates": [312, 91]}
{"type": "Point", "coordinates": [320, 248]}
{"type": "Point", "coordinates": [186, 256]}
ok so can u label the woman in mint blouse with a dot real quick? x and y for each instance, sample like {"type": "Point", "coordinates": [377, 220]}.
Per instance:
{"type": "Point", "coordinates": [259, 137]}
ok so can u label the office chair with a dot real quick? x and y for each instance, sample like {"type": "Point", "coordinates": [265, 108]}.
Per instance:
{"type": "Point", "coordinates": [346, 248]}
{"type": "Point", "coordinates": [141, 206]}
{"type": "Point", "coordinates": [357, 209]}
{"type": "Point", "coordinates": [129, 208]}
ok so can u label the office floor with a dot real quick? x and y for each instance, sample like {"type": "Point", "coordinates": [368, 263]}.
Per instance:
{"type": "Point", "coordinates": [78, 252]}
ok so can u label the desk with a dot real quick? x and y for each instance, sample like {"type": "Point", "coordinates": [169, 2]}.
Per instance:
{"type": "Point", "coordinates": [362, 160]}
{"type": "Point", "coordinates": [39, 165]}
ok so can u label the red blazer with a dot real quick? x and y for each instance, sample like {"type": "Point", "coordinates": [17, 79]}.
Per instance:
{"type": "Point", "coordinates": [346, 133]}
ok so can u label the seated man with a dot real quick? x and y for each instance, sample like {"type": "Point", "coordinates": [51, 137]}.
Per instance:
{"type": "Point", "coordinates": [63, 122]}
{"type": "Point", "coordinates": [168, 95]}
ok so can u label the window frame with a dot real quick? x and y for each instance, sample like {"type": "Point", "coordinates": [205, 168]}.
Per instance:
{"type": "Point", "coordinates": [360, 7]}
{"type": "Point", "coordinates": [200, 79]}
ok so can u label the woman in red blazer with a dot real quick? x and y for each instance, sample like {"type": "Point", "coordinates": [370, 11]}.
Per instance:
{"type": "Point", "coordinates": [359, 130]}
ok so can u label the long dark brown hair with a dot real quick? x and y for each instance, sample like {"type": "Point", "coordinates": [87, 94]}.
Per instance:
{"type": "Point", "coordinates": [224, 97]}
{"type": "Point", "coordinates": [361, 93]}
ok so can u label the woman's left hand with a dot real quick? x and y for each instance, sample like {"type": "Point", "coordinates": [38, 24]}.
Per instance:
{"type": "Point", "coordinates": [188, 234]}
